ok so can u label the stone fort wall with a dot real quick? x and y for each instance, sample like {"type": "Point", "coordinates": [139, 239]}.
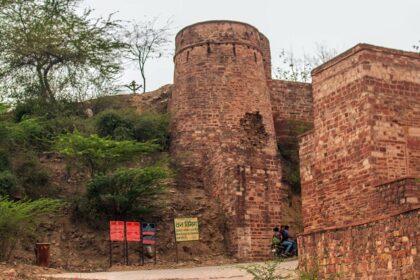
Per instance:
{"type": "Point", "coordinates": [222, 128]}
{"type": "Point", "coordinates": [359, 164]}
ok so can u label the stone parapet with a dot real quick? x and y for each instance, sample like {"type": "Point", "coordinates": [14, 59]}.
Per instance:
{"type": "Point", "coordinates": [385, 249]}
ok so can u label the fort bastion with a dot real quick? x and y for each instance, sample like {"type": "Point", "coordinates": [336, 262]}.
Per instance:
{"type": "Point", "coordinates": [360, 165]}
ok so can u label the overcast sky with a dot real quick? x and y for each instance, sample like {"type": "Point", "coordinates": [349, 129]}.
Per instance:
{"type": "Point", "coordinates": [296, 25]}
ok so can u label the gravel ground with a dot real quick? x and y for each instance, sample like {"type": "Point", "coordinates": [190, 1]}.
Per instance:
{"type": "Point", "coordinates": [207, 272]}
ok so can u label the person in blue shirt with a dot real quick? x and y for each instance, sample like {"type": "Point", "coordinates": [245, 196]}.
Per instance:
{"type": "Point", "coordinates": [287, 242]}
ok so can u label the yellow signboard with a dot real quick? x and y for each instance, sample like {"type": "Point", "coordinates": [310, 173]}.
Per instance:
{"type": "Point", "coordinates": [186, 229]}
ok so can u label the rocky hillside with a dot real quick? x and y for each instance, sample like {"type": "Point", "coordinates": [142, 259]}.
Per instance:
{"type": "Point", "coordinates": [82, 245]}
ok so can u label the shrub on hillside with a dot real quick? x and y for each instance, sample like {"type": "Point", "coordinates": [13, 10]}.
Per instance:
{"type": "Point", "coordinates": [4, 160]}
{"type": "Point", "coordinates": [38, 133]}
{"type": "Point", "coordinates": [3, 133]}
{"type": "Point", "coordinates": [37, 108]}
{"type": "Point", "coordinates": [127, 192]}
{"type": "Point", "coordinates": [23, 110]}
{"type": "Point", "coordinates": [152, 126]}
{"type": "Point", "coordinates": [18, 220]}
{"type": "Point", "coordinates": [9, 185]}
{"type": "Point", "coordinates": [33, 178]}
{"type": "Point", "coordinates": [61, 125]}
{"type": "Point", "coordinates": [114, 124]}
{"type": "Point", "coordinates": [101, 154]}
{"type": "Point", "coordinates": [4, 108]}
{"type": "Point", "coordinates": [126, 125]}
{"type": "Point", "coordinates": [29, 133]}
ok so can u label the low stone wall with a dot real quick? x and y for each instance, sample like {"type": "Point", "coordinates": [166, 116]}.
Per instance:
{"type": "Point", "coordinates": [397, 196]}
{"type": "Point", "coordinates": [384, 249]}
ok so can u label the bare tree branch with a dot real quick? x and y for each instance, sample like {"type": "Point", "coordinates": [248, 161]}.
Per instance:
{"type": "Point", "coordinates": [147, 41]}
{"type": "Point", "coordinates": [299, 69]}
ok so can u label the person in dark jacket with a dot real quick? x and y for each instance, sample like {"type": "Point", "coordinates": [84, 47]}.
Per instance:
{"type": "Point", "coordinates": [287, 241]}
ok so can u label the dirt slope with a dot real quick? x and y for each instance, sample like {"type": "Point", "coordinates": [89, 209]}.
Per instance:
{"type": "Point", "coordinates": [77, 246]}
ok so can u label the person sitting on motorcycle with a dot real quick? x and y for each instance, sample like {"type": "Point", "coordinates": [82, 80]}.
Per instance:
{"type": "Point", "coordinates": [287, 242]}
{"type": "Point", "coordinates": [276, 239]}
{"type": "Point", "coordinates": [276, 236]}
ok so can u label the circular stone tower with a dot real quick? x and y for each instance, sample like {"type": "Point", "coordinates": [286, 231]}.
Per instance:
{"type": "Point", "coordinates": [223, 135]}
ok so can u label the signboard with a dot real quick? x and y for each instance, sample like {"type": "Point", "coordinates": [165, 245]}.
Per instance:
{"type": "Point", "coordinates": [116, 231]}
{"type": "Point", "coordinates": [186, 229]}
{"type": "Point", "coordinates": [133, 231]}
{"type": "Point", "coordinates": [149, 232]}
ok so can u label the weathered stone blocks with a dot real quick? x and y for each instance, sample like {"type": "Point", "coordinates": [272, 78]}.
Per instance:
{"type": "Point", "coordinates": [222, 130]}
{"type": "Point", "coordinates": [359, 164]}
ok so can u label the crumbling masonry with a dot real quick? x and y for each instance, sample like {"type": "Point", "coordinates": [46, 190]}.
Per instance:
{"type": "Point", "coordinates": [358, 164]}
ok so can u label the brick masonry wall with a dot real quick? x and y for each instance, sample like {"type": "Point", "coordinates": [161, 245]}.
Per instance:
{"type": "Point", "coordinates": [395, 197]}
{"type": "Point", "coordinates": [358, 166]}
{"type": "Point", "coordinates": [291, 101]}
{"type": "Point", "coordinates": [385, 249]}
{"type": "Point", "coordinates": [265, 49]}
{"type": "Point", "coordinates": [311, 218]}
{"type": "Point", "coordinates": [223, 135]}
{"type": "Point", "coordinates": [292, 106]}
{"type": "Point", "coordinates": [366, 120]}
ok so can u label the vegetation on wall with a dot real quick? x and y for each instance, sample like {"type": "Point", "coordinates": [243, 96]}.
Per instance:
{"type": "Point", "coordinates": [289, 151]}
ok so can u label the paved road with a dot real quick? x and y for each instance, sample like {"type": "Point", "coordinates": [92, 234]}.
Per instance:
{"type": "Point", "coordinates": [196, 273]}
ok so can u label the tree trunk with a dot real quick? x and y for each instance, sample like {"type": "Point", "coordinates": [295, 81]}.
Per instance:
{"type": "Point", "coordinates": [43, 94]}
{"type": "Point", "coordinates": [143, 76]}
{"type": "Point", "coordinates": [50, 94]}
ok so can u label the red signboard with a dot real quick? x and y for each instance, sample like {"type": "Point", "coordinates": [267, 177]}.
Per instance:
{"type": "Point", "coordinates": [116, 230]}
{"type": "Point", "coordinates": [133, 231]}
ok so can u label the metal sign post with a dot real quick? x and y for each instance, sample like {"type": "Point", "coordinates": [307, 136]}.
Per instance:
{"type": "Point", "coordinates": [133, 234]}
{"type": "Point", "coordinates": [186, 229]}
{"type": "Point", "coordinates": [149, 238]}
{"type": "Point", "coordinates": [127, 232]}
{"type": "Point", "coordinates": [116, 233]}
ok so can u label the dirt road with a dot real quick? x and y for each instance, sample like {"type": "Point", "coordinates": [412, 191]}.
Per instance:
{"type": "Point", "coordinates": [196, 273]}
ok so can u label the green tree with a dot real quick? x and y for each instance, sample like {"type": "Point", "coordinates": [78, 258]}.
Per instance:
{"type": "Point", "coordinates": [48, 49]}
{"type": "Point", "coordinates": [127, 192]}
{"type": "Point", "coordinates": [101, 154]}
{"type": "Point", "coordinates": [18, 220]}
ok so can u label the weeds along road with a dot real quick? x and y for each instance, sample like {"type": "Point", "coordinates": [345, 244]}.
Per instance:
{"type": "Point", "coordinates": [197, 273]}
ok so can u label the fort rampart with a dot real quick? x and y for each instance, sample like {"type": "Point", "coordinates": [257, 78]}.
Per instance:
{"type": "Point", "coordinates": [359, 165]}
{"type": "Point", "coordinates": [222, 130]}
